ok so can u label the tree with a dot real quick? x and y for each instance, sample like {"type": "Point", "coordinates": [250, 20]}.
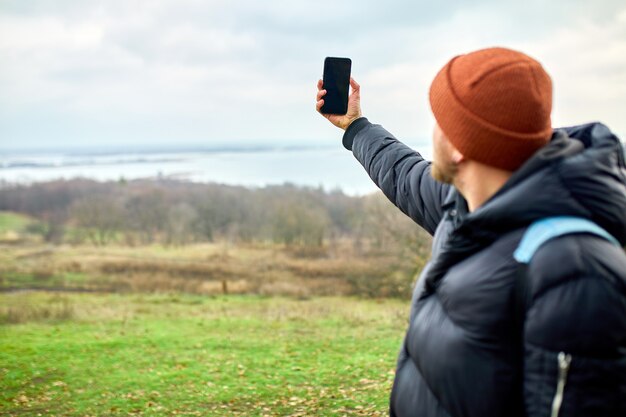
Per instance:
{"type": "Point", "coordinates": [146, 214]}
{"type": "Point", "coordinates": [99, 216]}
{"type": "Point", "coordinates": [179, 229]}
{"type": "Point", "coordinates": [300, 224]}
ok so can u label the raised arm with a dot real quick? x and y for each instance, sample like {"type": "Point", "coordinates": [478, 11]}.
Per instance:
{"type": "Point", "coordinates": [399, 171]}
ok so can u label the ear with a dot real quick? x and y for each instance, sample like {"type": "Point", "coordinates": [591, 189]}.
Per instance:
{"type": "Point", "coordinates": [457, 157]}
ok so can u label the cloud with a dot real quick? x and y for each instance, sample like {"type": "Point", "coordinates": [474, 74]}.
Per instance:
{"type": "Point", "coordinates": [78, 72]}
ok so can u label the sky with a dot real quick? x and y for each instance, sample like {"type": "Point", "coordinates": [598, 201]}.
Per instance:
{"type": "Point", "coordinates": [127, 73]}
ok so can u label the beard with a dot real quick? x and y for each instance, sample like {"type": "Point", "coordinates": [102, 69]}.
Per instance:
{"type": "Point", "coordinates": [444, 171]}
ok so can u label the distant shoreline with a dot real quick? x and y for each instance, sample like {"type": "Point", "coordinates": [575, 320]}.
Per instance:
{"type": "Point", "coordinates": [328, 166]}
{"type": "Point", "coordinates": [147, 150]}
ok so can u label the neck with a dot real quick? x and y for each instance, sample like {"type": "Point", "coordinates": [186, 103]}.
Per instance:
{"type": "Point", "coordinates": [477, 182]}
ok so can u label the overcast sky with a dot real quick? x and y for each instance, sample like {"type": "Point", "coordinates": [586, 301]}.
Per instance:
{"type": "Point", "coordinates": [214, 72]}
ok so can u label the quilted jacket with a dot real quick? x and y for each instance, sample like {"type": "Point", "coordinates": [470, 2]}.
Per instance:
{"type": "Point", "coordinates": [462, 354]}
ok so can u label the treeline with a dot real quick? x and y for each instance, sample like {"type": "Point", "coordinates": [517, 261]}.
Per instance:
{"type": "Point", "coordinates": [177, 213]}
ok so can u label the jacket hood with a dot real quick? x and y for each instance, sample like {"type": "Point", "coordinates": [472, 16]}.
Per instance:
{"type": "Point", "coordinates": [581, 172]}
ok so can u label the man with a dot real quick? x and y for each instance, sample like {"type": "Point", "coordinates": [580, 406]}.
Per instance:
{"type": "Point", "coordinates": [498, 166]}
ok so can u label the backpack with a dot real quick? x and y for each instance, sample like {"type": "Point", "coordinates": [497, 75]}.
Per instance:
{"type": "Point", "coordinates": [538, 233]}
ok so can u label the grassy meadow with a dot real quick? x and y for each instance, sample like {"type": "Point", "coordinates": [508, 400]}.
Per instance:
{"type": "Point", "coordinates": [158, 354]}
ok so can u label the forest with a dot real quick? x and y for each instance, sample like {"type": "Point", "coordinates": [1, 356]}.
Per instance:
{"type": "Point", "coordinates": [363, 244]}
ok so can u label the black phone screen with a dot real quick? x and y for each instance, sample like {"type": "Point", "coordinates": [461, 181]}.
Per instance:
{"type": "Point", "coordinates": [336, 84]}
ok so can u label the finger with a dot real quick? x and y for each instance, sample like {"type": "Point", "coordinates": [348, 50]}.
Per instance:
{"type": "Point", "coordinates": [320, 94]}
{"type": "Point", "coordinates": [319, 105]}
{"type": "Point", "coordinates": [355, 86]}
{"type": "Point", "coordinates": [320, 84]}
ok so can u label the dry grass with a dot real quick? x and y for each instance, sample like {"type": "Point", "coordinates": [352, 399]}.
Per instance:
{"type": "Point", "coordinates": [207, 269]}
{"type": "Point", "coordinates": [35, 307]}
{"type": "Point", "coordinates": [56, 308]}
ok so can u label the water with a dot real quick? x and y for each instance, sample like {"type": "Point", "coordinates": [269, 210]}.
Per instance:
{"type": "Point", "coordinates": [329, 167]}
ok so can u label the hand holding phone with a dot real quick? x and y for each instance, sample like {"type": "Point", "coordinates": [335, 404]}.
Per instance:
{"type": "Point", "coordinates": [333, 101]}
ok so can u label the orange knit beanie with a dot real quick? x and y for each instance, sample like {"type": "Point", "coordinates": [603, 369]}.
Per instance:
{"type": "Point", "coordinates": [494, 106]}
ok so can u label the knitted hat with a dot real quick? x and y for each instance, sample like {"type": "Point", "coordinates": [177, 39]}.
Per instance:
{"type": "Point", "coordinates": [494, 106]}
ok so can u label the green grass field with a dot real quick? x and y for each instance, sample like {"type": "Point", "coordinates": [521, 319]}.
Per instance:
{"type": "Point", "coordinates": [13, 222]}
{"type": "Point", "coordinates": [153, 355]}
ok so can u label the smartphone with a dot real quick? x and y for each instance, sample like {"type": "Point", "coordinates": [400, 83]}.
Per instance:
{"type": "Point", "coordinates": [336, 84]}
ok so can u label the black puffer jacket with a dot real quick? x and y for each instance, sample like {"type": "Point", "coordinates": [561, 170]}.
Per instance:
{"type": "Point", "coordinates": [462, 354]}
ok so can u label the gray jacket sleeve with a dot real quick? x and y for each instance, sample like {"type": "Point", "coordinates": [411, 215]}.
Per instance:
{"type": "Point", "coordinates": [400, 172]}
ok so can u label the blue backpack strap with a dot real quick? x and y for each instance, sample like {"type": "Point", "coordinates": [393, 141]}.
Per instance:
{"type": "Point", "coordinates": [543, 230]}
{"type": "Point", "coordinates": [535, 236]}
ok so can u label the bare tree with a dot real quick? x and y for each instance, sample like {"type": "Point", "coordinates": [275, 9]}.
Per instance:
{"type": "Point", "coordinates": [100, 217]}
{"type": "Point", "coordinates": [179, 229]}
